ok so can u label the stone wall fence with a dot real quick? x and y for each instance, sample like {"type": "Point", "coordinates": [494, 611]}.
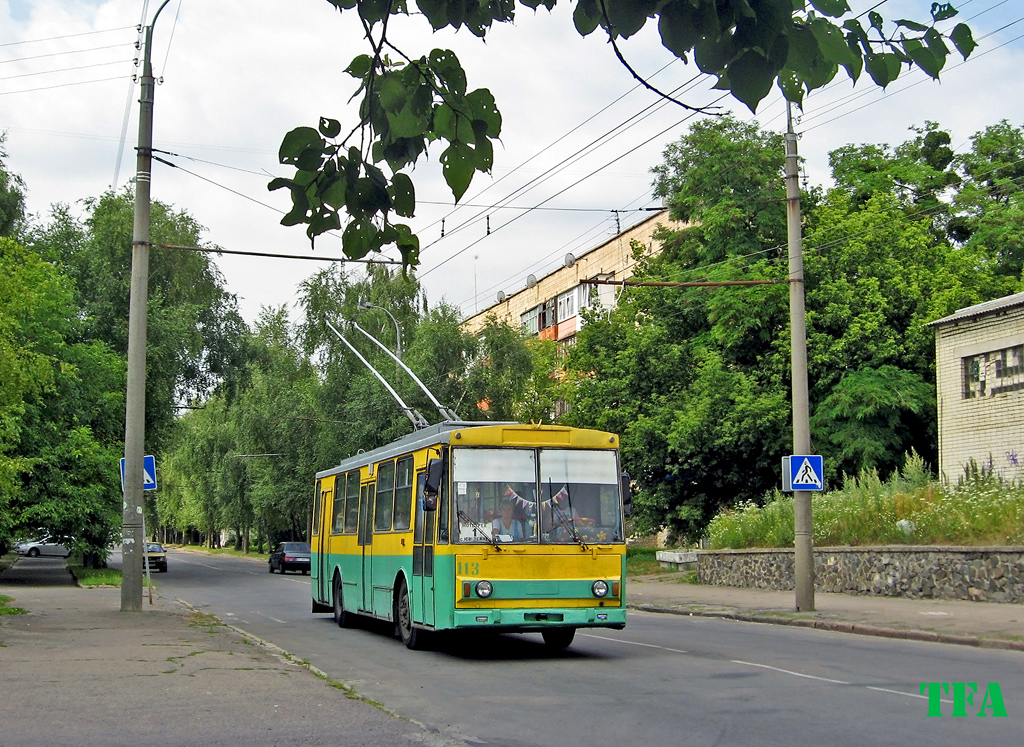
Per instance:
{"type": "Point", "coordinates": [983, 574]}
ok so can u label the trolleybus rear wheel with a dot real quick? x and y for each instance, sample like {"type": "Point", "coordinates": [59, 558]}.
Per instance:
{"type": "Point", "coordinates": [412, 637]}
{"type": "Point", "coordinates": [343, 618]}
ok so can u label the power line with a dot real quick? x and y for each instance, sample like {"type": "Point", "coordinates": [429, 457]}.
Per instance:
{"type": "Point", "coordinates": [59, 54]}
{"type": "Point", "coordinates": [65, 36]}
{"type": "Point", "coordinates": [62, 85]}
{"type": "Point", "coordinates": [65, 69]}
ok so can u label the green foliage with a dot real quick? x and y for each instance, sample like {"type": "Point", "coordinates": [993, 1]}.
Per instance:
{"type": "Point", "coordinates": [908, 508]}
{"type": "Point", "coordinates": [12, 196]}
{"type": "Point", "coordinates": [697, 381]}
{"type": "Point", "coordinates": [408, 102]}
{"type": "Point", "coordinates": [514, 377]}
{"type": "Point", "coordinates": [193, 326]}
{"type": "Point", "coordinates": [91, 578]}
{"type": "Point", "coordinates": [61, 408]}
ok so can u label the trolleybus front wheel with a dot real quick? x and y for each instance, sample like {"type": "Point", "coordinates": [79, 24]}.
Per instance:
{"type": "Point", "coordinates": [558, 639]}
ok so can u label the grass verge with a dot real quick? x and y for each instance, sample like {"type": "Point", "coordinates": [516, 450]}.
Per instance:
{"type": "Point", "coordinates": [6, 610]}
{"type": "Point", "coordinates": [93, 577]}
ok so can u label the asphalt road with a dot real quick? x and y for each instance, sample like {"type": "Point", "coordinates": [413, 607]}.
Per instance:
{"type": "Point", "coordinates": [665, 679]}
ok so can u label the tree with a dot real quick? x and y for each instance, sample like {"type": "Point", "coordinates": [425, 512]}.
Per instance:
{"type": "Point", "coordinates": [991, 212]}
{"type": "Point", "coordinates": [408, 101]}
{"type": "Point", "coordinates": [61, 411]}
{"type": "Point", "coordinates": [12, 196]}
{"type": "Point", "coordinates": [697, 381]}
{"type": "Point", "coordinates": [194, 328]}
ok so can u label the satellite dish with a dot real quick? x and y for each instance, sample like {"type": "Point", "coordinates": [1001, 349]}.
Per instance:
{"type": "Point", "coordinates": [531, 280]}
{"type": "Point", "coordinates": [569, 260]}
{"type": "Point", "coordinates": [501, 296]}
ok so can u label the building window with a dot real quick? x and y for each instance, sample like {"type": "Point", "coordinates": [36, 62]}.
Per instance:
{"type": "Point", "coordinates": [531, 321]}
{"type": "Point", "coordinates": [992, 373]}
{"type": "Point", "coordinates": [548, 316]}
{"type": "Point", "coordinates": [567, 305]}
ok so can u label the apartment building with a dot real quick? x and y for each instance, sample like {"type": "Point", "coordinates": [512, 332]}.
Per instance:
{"type": "Point", "coordinates": [979, 354]}
{"type": "Point", "coordinates": [549, 307]}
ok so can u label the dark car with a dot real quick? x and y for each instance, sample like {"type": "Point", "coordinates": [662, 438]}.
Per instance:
{"type": "Point", "coordinates": [290, 556]}
{"type": "Point", "coordinates": [157, 557]}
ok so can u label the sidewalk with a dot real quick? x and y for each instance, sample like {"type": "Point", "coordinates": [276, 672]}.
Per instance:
{"type": "Point", "coordinates": [77, 671]}
{"type": "Point", "coordinates": [966, 623]}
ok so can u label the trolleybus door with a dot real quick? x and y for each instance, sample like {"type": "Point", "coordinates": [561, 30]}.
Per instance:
{"type": "Point", "coordinates": [325, 509]}
{"type": "Point", "coordinates": [366, 493]}
{"type": "Point", "coordinates": [423, 559]}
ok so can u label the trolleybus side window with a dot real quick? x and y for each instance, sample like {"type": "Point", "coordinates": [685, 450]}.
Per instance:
{"type": "Point", "coordinates": [403, 493]}
{"type": "Point", "coordinates": [366, 508]}
{"type": "Point", "coordinates": [338, 522]}
{"type": "Point", "coordinates": [443, 508]}
{"type": "Point", "coordinates": [385, 505]}
{"type": "Point", "coordinates": [352, 502]}
{"type": "Point", "coordinates": [417, 525]}
{"type": "Point", "coordinates": [316, 510]}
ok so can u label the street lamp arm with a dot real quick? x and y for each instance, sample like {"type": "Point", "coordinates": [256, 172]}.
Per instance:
{"type": "Point", "coordinates": [398, 329]}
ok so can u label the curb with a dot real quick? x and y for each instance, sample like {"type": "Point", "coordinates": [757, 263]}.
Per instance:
{"type": "Point", "coordinates": [843, 627]}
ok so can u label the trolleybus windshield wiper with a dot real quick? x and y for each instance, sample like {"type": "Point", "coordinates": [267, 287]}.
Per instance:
{"type": "Point", "coordinates": [477, 527]}
{"type": "Point", "coordinates": [569, 522]}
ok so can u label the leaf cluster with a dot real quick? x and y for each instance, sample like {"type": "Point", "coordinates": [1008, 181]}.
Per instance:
{"type": "Point", "coordinates": [407, 103]}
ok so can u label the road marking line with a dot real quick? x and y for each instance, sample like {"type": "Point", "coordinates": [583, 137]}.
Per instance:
{"type": "Point", "coordinates": [632, 643]}
{"type": "Point", "coordinates": [787, 671]}
{"type": "Point", "coordinates": [899, 692]}
{"type": "Point", "coordinates": [837, 682]}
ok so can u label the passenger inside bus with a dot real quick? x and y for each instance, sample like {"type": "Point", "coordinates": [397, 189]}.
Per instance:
{"type": "Point", "coordinates": [402, 515]}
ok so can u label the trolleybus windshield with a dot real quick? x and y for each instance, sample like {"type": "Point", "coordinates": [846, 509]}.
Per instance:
{"type": "Point", "coordinates": [513, 495]}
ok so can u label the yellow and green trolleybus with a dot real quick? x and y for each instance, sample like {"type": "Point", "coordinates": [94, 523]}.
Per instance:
{"type": "Point", "coordinates": [464, 525]}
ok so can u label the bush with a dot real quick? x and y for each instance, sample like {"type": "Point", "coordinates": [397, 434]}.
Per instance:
{"type": "Point", "coordinates": [911, 507]}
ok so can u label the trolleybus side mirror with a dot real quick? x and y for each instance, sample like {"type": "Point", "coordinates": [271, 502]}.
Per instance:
{"type": "Point", "coordinates": [432, 485]}
{"type": "Point", "coordinates": [627, 494]}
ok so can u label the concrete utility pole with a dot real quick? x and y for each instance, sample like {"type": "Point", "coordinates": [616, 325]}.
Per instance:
{"type": "Point", "coordinates": [135, 407]}
{"type": "Point", "coordinates": [804, 545]}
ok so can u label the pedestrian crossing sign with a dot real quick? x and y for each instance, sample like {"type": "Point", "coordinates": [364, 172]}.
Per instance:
{"type": "Point", "coordinates": [803, 473]}
{"type": "Point", "coordinates": [148, 473]}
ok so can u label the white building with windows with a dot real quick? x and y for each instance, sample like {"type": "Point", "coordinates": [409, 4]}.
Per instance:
{"type": "Point", "coordinates": [979, 368]}
{"type": "Point", "coordinates": [549, 307]}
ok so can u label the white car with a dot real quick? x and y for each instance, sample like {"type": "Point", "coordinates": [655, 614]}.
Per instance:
{"type": "Point", "coordinates": [45, 546]}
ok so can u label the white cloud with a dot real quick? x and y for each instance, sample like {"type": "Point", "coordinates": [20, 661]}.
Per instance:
{"type": "Point", "coordinates": [238, 75]}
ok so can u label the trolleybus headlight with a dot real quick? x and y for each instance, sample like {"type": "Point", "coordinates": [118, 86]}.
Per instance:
{"type": "Point", "coordinates": [600, 588]}
{"type": "Point", "coordinates": [484, 589]}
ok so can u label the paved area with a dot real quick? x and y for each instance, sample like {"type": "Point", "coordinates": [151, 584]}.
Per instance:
{"type": "Point", "coordinates": [77, 671]}
{"type": "Point", "coordinates": [957, 622]}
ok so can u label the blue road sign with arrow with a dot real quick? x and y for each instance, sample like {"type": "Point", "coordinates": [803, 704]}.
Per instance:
{"type": "Point", "coordinates": [803, 473]}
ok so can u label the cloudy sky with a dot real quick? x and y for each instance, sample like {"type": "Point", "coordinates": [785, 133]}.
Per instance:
{"type": "Point", "coordinates": [579, 135]}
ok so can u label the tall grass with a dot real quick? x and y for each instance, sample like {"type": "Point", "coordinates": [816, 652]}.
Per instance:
{"type": "Point", "coordinates": [911, 507]}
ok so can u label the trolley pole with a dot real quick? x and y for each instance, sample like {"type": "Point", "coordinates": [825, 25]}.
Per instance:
{"type": "Point", "coordinates": [804, 544]}
{"type": "Point", "coordinates": [135, 405]}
